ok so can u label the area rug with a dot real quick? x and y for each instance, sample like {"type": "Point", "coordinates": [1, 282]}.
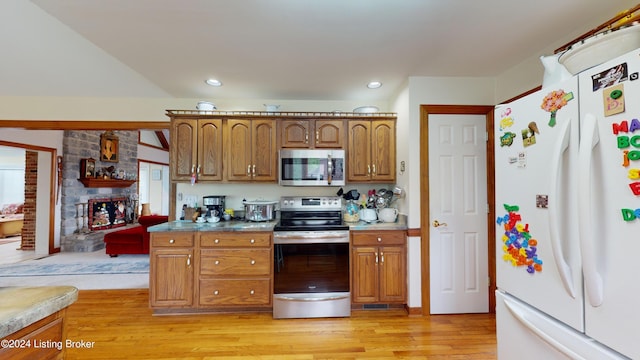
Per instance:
{"type": "Point", "coordinates": [139, 266]}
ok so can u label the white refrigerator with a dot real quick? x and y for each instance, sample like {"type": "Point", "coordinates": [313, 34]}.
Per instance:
{"type": "Point", "coordinates": [567, 184]}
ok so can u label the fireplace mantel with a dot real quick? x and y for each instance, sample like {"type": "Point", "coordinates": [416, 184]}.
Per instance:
{"type": "Point", "coordinates": [106, 183]}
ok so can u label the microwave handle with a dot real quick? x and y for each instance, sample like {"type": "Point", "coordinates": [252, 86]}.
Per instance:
{"type": "Point", "coordinates": [329, 169]}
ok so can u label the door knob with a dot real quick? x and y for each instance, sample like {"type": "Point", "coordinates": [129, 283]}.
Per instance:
{"type": "Point", "coordinates": [436, 223]}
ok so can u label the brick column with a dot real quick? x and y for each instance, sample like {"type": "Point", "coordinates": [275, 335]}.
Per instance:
{"type": "Point", "coordinates": [30, 192]}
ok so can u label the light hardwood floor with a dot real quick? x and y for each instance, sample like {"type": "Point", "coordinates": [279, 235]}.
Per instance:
{"type": "Point", "coordinates": [121, 325]}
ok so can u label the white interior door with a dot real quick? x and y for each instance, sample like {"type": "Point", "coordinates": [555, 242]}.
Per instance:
{"type": "Point", "coordinates": [458, 211]}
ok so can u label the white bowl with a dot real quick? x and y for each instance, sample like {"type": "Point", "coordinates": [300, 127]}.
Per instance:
{"type": "Point", "coordinates": [205, 105]}
{"type": "Point", "coordinates": [366, 109]}
{"type": "Point", "coordinates": [213, 219]}
{"type": "Point", "coordinates": [600, 48]}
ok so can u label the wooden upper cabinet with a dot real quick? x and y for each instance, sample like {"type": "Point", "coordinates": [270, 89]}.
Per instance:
{"type": "Point", "coordinates": [312, 133]}
{"type": "Point", "coordinates": [251, 150]}
{"type": "Point", "coordinates": [371, 151]}
{"type": "Point", "coordinates": [265, 150]}
{"type": "Point", "coordinates": [184, 145]}
{"type": "Point", "coordinates": [295, 133]}
{"type": "Point", "coordinates": [359, 153]}
{"type": "Point", "coordinates": [383, 150]}
{"type": "Point", "coordinates": [196, 149]}
{"type": "Point", "coordinates": [329, 134]}
{"type": "Point", "coordinates": [237, 136]}
{"type": "Point", "coordinates": [209, 149]}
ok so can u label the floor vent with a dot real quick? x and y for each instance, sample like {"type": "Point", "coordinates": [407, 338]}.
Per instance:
{"type": "Point", "coordinates": [375, 306]}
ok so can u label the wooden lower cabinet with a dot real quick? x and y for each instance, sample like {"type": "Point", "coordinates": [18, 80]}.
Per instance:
{"type": "Point", "coordinates": [379, 267]}
{"type": "Point", "coordinates": [171, 270]}
{"type": "Point", "coordinates": [220, 270]}
{"type": "Point", "coordinates": [44, 339]}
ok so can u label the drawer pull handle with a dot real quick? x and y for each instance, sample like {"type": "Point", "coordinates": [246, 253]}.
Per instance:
{"type": "Point", "coordinates": [215, 292]}
{"type": "Point", "coordinates": [379, 239]}
{"type": "Point", "coordinates": [253, 241]}
{"type": "Point", "coordinates": [252, 292]}
{"type": "Point", "coordinates": [216, 241]}
{"type": "Point", "coordinates": [217, 262]}
{"type": "Point", "coordinates": [171, 241]}
{"type": "Point", "coordinates": [253, 262]}
{"type": "Point", "coordinates": [189, 260]}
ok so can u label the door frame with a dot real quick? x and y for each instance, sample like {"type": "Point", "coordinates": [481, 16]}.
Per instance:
{"type": "Point", "coordinates": [425, 224]}
{"type": "Point", "coordinates": [53, 180]}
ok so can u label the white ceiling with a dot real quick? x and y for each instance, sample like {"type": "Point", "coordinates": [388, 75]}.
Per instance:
{"type": "Point", "coordinates": [274, 49]}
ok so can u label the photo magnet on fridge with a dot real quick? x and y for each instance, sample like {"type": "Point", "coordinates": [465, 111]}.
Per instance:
{"type": "Point", "coordinates": [613, 98]}
{"type": "Point", "coordinates": [610, 77]}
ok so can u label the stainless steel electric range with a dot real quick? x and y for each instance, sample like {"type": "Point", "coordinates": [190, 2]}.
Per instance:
{"type": "Point", "coordinates": [311, 259]}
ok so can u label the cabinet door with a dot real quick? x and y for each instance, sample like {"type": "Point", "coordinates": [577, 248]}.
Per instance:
{"type": "Point", "coordinates": [364, 282]}
{"type": "Point", "coordinates": [184, 145]}
{"type": "Point", "coordinates": [359, 138]}
{"type": "Point", "coordinates": [237, 139]}
{"type": "Point", "coordinates": [383, 150]}
{"type": "Point", "coordinates": [209, 149]}
{"type": "Point", "coordinates": [329, 134]}
{"type": "Point", "coordinates": [171, 280]}
{"type": "Point", "coordinates": [265, 150]}
{"type": "Point", "coordinates": [295, 133]}
{"type": "Point", "coordinates": [393, 274]}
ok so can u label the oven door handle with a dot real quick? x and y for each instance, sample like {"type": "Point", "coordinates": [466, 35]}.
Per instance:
{"type": "Point", "coordinates": [311, 298]}
{"type": "Point", "coordinates": [310, 239]}
{"type": "Point", "coordinates": [329, 169]}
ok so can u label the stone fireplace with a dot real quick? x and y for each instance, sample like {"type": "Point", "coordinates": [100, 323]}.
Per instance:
{"type": "Point", "coordinates": [77, 145]}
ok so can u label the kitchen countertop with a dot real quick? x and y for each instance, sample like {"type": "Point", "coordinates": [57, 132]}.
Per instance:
{"type": "Point", "coordinates": [233, 225]}
{"type": "Point", "coordinates": [23, 306]}
{"type": "Point", "coordinates": [241, 225]}
{"type": "Point", "coordinates": [400, 224]}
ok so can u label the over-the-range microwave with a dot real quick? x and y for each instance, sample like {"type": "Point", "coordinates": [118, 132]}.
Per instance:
{"type": "Point", "coordinates": [313, 167]}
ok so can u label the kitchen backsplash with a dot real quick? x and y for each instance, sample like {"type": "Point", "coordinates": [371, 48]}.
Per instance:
{"type": "Point", "coordinates": [235, 193]}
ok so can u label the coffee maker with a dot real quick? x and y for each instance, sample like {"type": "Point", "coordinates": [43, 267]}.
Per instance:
{"type": "Point", "coordinates": [214, 205]}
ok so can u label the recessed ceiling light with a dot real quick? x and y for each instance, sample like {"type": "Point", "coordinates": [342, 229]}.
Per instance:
{"type": "Point", "coordinates": [213, 82]}
{"type": "Point", "coordinates": [374, 84]}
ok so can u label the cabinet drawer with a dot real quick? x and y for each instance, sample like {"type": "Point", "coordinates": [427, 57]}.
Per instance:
{"type": "Point", "coordinates": [176, 239]}
{"type": "Point", "coordinates": [235, 292]}
{"type": "Point", "coordinates": [235, 239]}
{"type": "Point", "coordinates": [235, 262]}
{"type": "Point", "coordinates": [378, 238]}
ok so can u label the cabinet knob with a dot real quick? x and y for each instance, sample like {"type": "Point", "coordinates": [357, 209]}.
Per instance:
{"type": "Point", "coordinates": [171, 241]}
{"type": "Point", "coordinates": [379, 239]}
{"type": "Point", "coordinates": [216, 241]}
{"type": "Point", "coordinates": [253, 262]}
{"type": "Point", "coordinates": [253, 241]}
{"type": "Point", "coordinates": [252, 292]}
{"type": "Point", "coordinates": [215, 292]}
{"type": "Point", "coordinates": [217, 262]}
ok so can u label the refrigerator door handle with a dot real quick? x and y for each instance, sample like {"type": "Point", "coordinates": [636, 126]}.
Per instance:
{"type": "Point", "coordinates": [563, 268]}
{"type": "Point", "coordinates": [522, 313]}
{"type": "Point", "coordinates": [593, 279]}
